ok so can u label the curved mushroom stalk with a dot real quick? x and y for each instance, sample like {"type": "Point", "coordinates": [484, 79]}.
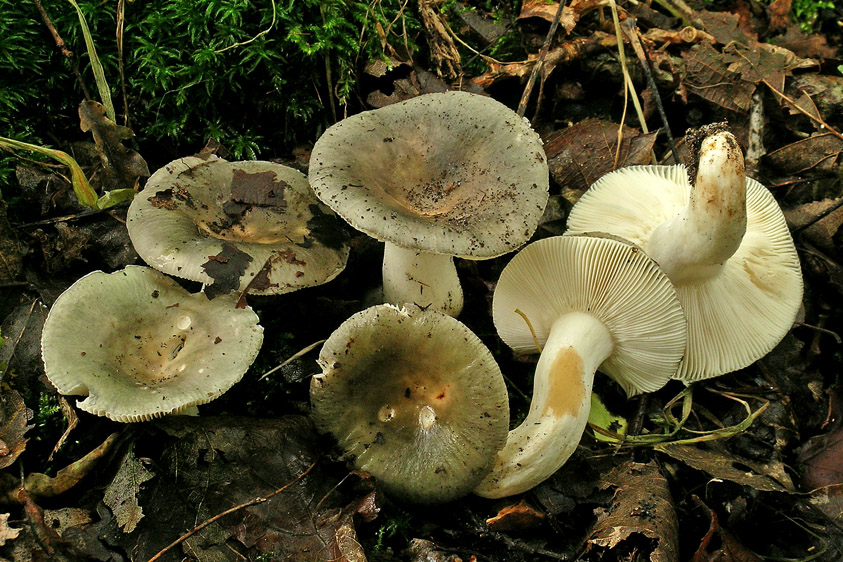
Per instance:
{"type": "Point", "coordinates": [578, 343]}
{"type": "Point", "coordinates": [693, 245]}
{"type": "Point", "coordinates": [421, 278]}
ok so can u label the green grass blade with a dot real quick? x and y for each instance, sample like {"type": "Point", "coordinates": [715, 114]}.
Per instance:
{"type": "Point", "coordinates": [99, 73]}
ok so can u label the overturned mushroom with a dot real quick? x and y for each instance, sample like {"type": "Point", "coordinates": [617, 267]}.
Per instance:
{"type": "Point", "coordinates": [234, 225]}
{"type": "Point", "coordinates": [724, 243]}
{"type": "Point", "coordinates": [593, 303]}
{"type": "Point", "coordinates": [415, 398]}
{"type": "Point", "coordinates": [437, 176]}
{"type": "Point", "coordinates": [138, 346]}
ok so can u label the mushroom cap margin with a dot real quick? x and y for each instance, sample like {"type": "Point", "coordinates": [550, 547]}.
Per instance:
{"type": "Point", "coordinates": [448, 173]}
{"type": "Point", "coordinates": [102, 309]}
{"type": "Point", "coordinates": [401, 360]}
{"type": "Point", "coordinates": [610, 279]}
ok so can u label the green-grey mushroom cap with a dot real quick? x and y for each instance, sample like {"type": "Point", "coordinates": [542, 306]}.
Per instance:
{"type": "Point", "coordinates": [138, 346]}
{"type": "Point", "coordinates": [250, 224]}
{"type": "Point", "coordinates": [415, 398]}
{"type": "Point", "coordinates": [448, 173]}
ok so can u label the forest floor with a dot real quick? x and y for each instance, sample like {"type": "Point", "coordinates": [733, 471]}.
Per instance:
{"type": "Point", "coordinates": [755, 473]}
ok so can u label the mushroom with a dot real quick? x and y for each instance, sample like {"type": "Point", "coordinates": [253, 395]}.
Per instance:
{"type": "Point", "coordinates": [593, 303]}
{"type": "Point", "coordinates": [724, 243]}
{"type": "Point", "coordinates": [437, 176]}
{"type": "Point", "coordinates": [236, 225]}
{"type": "Point", "coordinates": [138, 346]}
{"type": "Point", "coordinates": [415, 398]}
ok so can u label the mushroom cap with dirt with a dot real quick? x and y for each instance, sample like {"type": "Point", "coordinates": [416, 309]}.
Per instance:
{"type": "Point", "coordinates": [437, 176]}
{"type": "Point", "coordinates": [586, 303]}
{"type": "Point", "coordinates": [138, 346]}
{"type": "Point", "coordinates": [415, 398]}
{"type": "Point", "coordinates": [236, 225]}
{"type": "Point", "coordinates": [723, 242]}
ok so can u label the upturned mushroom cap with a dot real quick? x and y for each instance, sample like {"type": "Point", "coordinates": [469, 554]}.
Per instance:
{"type": "Point", "coordinates": [415, 398]}
{"type": "Point", "coordinates": [594, 303]}
{"type": "Point", "coordinates": [138, 346]}
{"type": "Point", "coordinates": [735, 316]}
{"type": "Point", "coordinates": [449, 173]}
{"type": "Point", "coordinates": [260, 220]}
{"type": "Point", "coordinates": [611, 280]}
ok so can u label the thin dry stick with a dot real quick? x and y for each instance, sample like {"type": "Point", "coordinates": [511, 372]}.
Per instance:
{"type": "Point", "coordinates": [818, 217]}
{"type": "Point", "coordinates": [121, 23]}
{"type": "Point", "coordinates": [631, 30]}
{"type": "Point", "coordinates": [528, 90]}
{"type": "Point", "coordinates": [812, 117]}
{"type": "Point", "coordinates": [219, 516]}
{"type": "Point", "coordinates": [62, 47]}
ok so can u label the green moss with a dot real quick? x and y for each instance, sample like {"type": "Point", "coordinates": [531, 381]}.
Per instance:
{"type": "Point", "coordinates": [259, 76]}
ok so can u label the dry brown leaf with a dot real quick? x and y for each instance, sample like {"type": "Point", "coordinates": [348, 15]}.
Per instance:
{"type": "Point", "coordinates": [822, 232]}
{"type": "Point", "coordinates": [817, 153]}
{"type": "Point", "coordinates": [7, 533]}
{"type": "Point", "coordinates": [726, 466]}
{"type": "Point", "coordinates": [14, 416]}
{"type": "Point", "coordinates": [708, 76]}
{"type": "Point", "coordinates": [726, 28]}
{"type": "Point", "coordinates": [10, 249]}
{"type": "Point", "coordinates": [516, 517]}
{"type": "Point", "coordinates": [581, 154]}
{"type": "Point", "coordinates": [125, 164]}
{"type": "Point", "coordinates": [642, 506]}
{"type": "Point", "coordinates": [547, 11]}
{"type": "Point", "coordinates": [727, 549]}
{"type": "Point", "coordinates": [121, 494]}
{"type": "Point", "coordinates": [779, 14]}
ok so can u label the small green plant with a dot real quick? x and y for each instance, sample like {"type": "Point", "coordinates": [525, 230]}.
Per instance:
{"type": "Point", "coordinates": [806, 12]}
{"type": "Point", "coordinates": [394, 524]}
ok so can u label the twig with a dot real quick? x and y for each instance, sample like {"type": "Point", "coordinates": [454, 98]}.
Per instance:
{"type": "Point", "coordinates": [229, 511]}
{"type": "Point", "coordinates": [631, 31]}
{"type": "Point", "coordinates": [291, 359]}
{"type": "Point", "coordinates": [62, 47]}
{"type": "Point", "coordinates": [818, 217]}
{"type": "Point", "coordinates": [815, 118]}
{"type": "Point", "coordinates": [259, 35]}
{"type": "Point", "coordinates": [528, 89]}
{"type": "Point", "coordinates": [820, 329]}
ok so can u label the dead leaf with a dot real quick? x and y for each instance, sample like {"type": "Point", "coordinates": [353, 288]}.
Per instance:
{"type": "Point", "coordinates": [823, 231]}
{"type": "Point", "coordinates": [642, 506]}
{"type": "Point", "coordinates": [10, 249]}
{"type": "Point", "coordinates": [579, 155]}
{"type": "Point", "coordinates": [726, 28]}
{"type": "Point", "coordinates": [829, 500]}
{"type": "Point", "coordinates": [728, 548]}
{"type": "Point", "coordinates": [211, 465]}
{"type": "Point", "coordinates": [7, 533]}
{"type": "Point", "coordinates": [709, 77]}
{"type": "Point", "coordinates": [779, 14]}
{"type": "Point", "coordinates": [121, 494]}
{"type": "Point", "coordinates": [727, 466]}
{"type": "Point", "coordinates": [547, 11]}
{"type": "Point", "coordinates": [817, 153]}
{"type": "Point", "coordinates": [14, 416]}
{"type": "Point", "coordinates": [262, 189]}
{"type": "Point", "coordinates": [821, 456]}
{"type": "Point", "coordinates": [124, 164]}
{"type": "Point", "coordinates": [516, 517]}
{"type": "Point", "coordinates": [226, 269]}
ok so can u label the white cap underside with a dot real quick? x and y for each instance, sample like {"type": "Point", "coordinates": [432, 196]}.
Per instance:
{"type": "Point", "coordinates": [739, 315]}
{"type": "Point", "coordinates": [611, 280]}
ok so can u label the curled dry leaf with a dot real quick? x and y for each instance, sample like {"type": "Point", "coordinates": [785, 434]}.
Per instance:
{"type": "Point", "coordinates": [14, 416]}
{"type": "Point", "coordinates": [727, 466]}
{"type": "Point", "coordinates": [642, 506]}
{"type": "Point", "coordinates": [579, 155]}
{"type": "Point", "coordinates": [125, 164]}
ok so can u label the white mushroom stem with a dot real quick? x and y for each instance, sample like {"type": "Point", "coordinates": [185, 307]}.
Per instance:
{"type": "Point", "coordinates": [694, 245]}
{"type": "Point", "coordinates": [577, 344]}
{"type": "Point", "coordinates": [421, 278]}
